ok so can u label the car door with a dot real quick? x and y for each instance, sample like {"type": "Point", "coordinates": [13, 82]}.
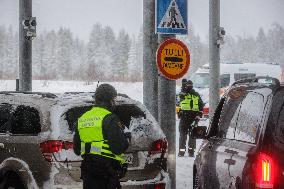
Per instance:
{"type": "Point", "coordinates": [221, 134]}
{"type": "Point", "coordinates": [207, 153]}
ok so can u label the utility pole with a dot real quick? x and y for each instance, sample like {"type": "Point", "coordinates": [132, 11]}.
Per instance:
{"type": "Point", "coordinates": [25, 47]}
{"type": "Point", "coordinates": [150, 71]}
{"type": "Point", "coordinates": [214, 54]}
{"type": "Point", "coordinates": [167, 115]}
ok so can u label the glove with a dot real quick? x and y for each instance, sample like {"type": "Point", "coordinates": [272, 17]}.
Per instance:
{"type": "Point", "coordinates": [197, 118]}
{"type": "Point", "coordinates": [123, 170]}
{"type": "Point", "coordinates": [127, 135]}
{"type": "Point", "coordinates": [179, 114]}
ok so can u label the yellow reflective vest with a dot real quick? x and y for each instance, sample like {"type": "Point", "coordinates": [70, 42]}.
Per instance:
{"type": "Point", "coordinates": [91, 131]}
{"type": "Point", "coordinates": [190, 102]}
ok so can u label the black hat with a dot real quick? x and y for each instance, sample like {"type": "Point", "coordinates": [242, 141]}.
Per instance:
{"type": "Point", "coordinates": [189, 82]}
{"type": "Point", "coordinates": [105, 92]}
{"type": "Point", "coordinates": [183, 80]}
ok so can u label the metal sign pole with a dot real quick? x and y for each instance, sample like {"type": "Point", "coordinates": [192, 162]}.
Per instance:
{"type": "Point", "coordinates": [150, 45]}
{"type": "Point", "coordinates": [214, 54]}
{"type": "Point", "coordinates": [25, 47]}
{"type": "Point", "coordinates": [167, 117]}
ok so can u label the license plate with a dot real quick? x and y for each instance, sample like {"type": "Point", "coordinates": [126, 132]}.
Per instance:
{"type": "Point", "coordinates": [128, 158]}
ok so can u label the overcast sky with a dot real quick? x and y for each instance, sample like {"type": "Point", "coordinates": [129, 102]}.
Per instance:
{"type": "Point", "coordinates": [238, 17]}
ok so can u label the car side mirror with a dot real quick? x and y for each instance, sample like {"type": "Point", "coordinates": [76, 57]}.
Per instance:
{"type": "Point", "coordinates": [199, 132]}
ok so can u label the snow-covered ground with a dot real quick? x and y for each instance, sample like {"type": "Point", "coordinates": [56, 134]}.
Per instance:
{"type": "Point", "coordinates": [134, 91]}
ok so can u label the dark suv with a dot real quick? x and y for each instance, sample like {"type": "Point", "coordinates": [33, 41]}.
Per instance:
{"type": "Point", "coordinates": [244, 145]}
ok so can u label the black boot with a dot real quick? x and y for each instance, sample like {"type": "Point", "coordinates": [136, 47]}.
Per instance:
{"type": "Point", "coordinates": [181, 152]}
{"type": "Point", "coordinates": [190, 152]}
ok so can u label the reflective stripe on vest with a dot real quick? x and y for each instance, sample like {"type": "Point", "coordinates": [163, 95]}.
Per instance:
{"type": "Point", "coordinates": [186, 103]}
{"type": "Point", "coordinates": [91, 131]}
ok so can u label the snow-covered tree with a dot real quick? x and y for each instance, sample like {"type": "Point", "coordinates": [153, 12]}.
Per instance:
{"type": "Point", "coordinates": [132, 61]}
{"type": "Point", "coordinates": [95, 52]}
{"type": "Point", "coordinates": [198, 51]}
{"type": "Point", "coordinates": [63, 53]}
{"type": "Point", "coordinates": [139, 55]}
{"type": "Point", "coordinates": [79, 55]}
{"type": "Point", "coordinates": [3, 38]}
{"type": "Point", "coordinates": [121, 55]}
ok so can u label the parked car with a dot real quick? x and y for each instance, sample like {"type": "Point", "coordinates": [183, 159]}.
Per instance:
{"type": "Point", "coordinates": [244, 144]}
{"type": "Point", "coordinates": [36, 132]}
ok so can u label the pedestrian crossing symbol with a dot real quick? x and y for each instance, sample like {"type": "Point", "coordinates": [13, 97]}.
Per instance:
{"type": "Point", "coordinates": [171, 16]}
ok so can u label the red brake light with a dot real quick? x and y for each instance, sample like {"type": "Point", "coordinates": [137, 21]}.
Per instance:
{"type": "Point", "coordinates": [57, 150]}
{"type": "Point", "coordinates": [265, 169]}
{"type": "Point", "coordinates": [158, 146]}
{"type": "Point", "coordinates": [160, 186]}
{"type": "Point", "coordinates": [51, 146]}
{"type": "Point", "coordinates": [205, 110]}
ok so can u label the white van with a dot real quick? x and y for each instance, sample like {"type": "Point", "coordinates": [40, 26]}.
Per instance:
{"type": "Point", "coordinates": [229, 73]}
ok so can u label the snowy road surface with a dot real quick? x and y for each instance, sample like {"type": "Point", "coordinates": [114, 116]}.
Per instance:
{"type": "Point", "coordinates": [133, 90]}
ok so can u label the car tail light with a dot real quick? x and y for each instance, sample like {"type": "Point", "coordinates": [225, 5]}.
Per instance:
{"type": "Point", "coordinates": [160, 186]}
{"type": "Point", "coordinates": [158, 146]}
{"type": "Point", "coordinates": [57, 150]}
{"type": "Point", "coordinates": [265, 169]}
{"type": "Point", "coordinates": [205, 110]}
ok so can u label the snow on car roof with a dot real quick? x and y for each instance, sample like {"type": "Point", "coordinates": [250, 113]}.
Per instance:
{"type": "Point", "coordinates": [54, 105]}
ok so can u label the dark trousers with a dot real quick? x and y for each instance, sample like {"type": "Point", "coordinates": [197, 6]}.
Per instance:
{"type": "Point", "coordinates": [184, 131]}
{"type": "Point", "coordinates": [98, 175]}
{"type": "Point", "coordinates": [96, 182]}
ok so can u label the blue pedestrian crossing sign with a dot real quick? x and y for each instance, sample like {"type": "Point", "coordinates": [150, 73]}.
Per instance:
{"type": "Point", "coordinates": [171, 17]}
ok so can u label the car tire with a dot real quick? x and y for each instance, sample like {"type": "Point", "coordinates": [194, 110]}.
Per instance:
{"type": "Point", "coordinates": [11, 181]}
{"type": "Point", "coordinates": [196, 183]}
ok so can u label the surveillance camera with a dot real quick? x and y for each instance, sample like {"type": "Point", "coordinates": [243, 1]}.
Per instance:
{"type": "Point", "coordinates": [33, 23]}
{"type": "Point", "coordinates": [29, 25]}
{"type": "Point", "coordinates": [222, 31]}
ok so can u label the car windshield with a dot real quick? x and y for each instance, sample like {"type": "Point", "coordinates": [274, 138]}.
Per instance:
{"type": "Point", "coordinates": [200, 80]}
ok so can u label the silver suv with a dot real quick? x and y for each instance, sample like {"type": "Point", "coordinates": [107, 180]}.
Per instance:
{"type": "Point", "coordinates": [36, 150]}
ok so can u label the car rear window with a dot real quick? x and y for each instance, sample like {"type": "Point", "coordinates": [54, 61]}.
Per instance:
{"type": "Point", "coordinates": [73, 114]}
{"type": "Point", "coordinates": [25, 120]}
{"type": "Point", "coordinates": [125, 112]}
{"type": "Point", "coordinates": [6, 112]}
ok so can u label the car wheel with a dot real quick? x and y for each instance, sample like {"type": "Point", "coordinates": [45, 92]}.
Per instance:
{"type": "Point", "coordinates": [12, 181]}
{"type": "Point", "coordinates": [196, 183]}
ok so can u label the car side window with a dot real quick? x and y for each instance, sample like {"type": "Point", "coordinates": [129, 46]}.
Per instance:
{"type": "Point", "coordinates": [230, 113]}
{"type": "Point", "coordinates": [249, 118]}
{"type": "Point", "coordinates": [213, 127]}
{"type": "Point", "coordinates": [238, 76]}
{"type": "Point", "coordinates": [224, 80]}
{"type": "Point", "coordinates": [25, 120]}
{"type": "Point", "coordinates": [6, 111]}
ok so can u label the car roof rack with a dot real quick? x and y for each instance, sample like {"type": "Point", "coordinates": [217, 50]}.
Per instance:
{"type": "Point", "coordinates": [44, 95]}
{"type": "Point", "coordinates": [275, 82]}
